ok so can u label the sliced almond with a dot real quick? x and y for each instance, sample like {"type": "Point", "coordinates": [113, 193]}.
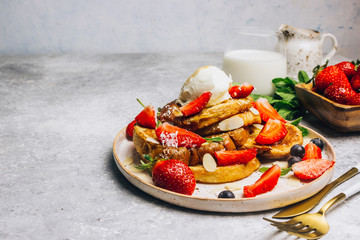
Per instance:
{"type": "Point", "coordinates": [231, 123]}
{"type": "Point", "coordinates": [234, 186]}
{"type": "Point", "coordinates": [254, 111]}
{"type": "Point", "coordinates": [259, 126]}
{"type": "Point", "coordinates": [152, 140]}
{"type": "Point", "coordinates": [209, 162]}
{"type": "Point", "coordinates": [282, 164]}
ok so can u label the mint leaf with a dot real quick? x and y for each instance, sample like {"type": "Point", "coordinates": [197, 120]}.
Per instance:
{"type": "Point", "coordinates": [303, 130]}
{"type": "Point", "coordinates": [284, 171]}
{"type": "Point", "coordinates": [263, 169]}
{"type": "Point", "coordinates": [214, 139]}
{"type": "Point", "coordinates": [286, 96]}
{"type": "Point", "coordinates": [257, 96]}
{"type": "Point", "coordinates": [303, 77]}
{"type": "Point", "coordinates": [284, 82]}
{"type": "Point", "coordinates": [296, 121]}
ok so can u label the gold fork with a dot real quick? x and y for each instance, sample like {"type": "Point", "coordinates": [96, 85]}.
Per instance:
{"type": "Point", "coordinates": [313, 225]}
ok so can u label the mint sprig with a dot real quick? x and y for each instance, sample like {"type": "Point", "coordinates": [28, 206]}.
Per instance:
{"type": "Point", "coordinates": [303, 130]}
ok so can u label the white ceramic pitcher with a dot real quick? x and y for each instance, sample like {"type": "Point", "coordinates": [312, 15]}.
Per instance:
{"type": "Point", "coordinates": [304, 49]}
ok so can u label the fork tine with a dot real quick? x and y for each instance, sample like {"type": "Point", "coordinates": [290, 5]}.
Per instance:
{"type": "Point", "coordinates": [286, 223]}
{"type": "Point", "coordinates": [298, 228]}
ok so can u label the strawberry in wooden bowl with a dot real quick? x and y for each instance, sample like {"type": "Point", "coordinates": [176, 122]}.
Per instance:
{"type": "Point", "coordinates": [333, 95]}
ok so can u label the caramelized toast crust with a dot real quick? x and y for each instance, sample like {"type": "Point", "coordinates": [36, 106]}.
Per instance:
{"type": "Point", "coordinates": [170, 113]}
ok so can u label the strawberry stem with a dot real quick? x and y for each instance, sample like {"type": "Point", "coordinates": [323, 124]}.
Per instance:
{"type": "Point", "coordinates": [141, 103]}
{"type": "Point", "coordinates": [147, 166]}
{"type": "Point", "coordinates": [318, 69]}
{"type": "Point", "coordinates": [356, 64]}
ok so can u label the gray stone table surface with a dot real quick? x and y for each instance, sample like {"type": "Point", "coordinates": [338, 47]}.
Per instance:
{"type": "Point", "coordinates": [59, 115]}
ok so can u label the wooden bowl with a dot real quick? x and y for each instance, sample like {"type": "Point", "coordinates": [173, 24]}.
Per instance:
{"type": "Point", "coordinates": [343, 118]}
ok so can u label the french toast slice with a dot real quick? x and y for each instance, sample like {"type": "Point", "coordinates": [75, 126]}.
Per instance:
{"type": "Point", "coordinates": [278, 150]}
{"type": "Point", "coordinates": [248, 118]}
{"type": "Point", "coordinates": [210, 115]}
{"type": "Point", "coordinates": [225, 173]}
{"type": "Point", "coordinates": [146, 142]}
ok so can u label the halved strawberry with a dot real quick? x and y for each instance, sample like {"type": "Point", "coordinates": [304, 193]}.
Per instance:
{"type": "Point", "coordinates": [197, 105]}
{"type": "Point", "coordinates": [311, 168]}
{"type": "Point", "coordinates": [267, 111]}
{"type": "Point", "coordinates": [241, 91]}
{"type": "Point", "coordinates": [273, 131]}
{"type": "Point", "coordinates": [267, 181]}
{"type": "Point", "coordinates": [130, 130]}
{"type": "Point", "coordinates": [312, 152]}
{"type": "Point", "coordinates": [225, 158]}
{"type": "Point", "coordinates": [147, 117]}
{"type": "Point", "coordinates": [173, 136]}
{"type": "Point", "coordinates": [174, 175]}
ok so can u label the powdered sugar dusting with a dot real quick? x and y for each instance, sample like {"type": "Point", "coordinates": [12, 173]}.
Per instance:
{"type": "Point", "coordinates": [169, 139]}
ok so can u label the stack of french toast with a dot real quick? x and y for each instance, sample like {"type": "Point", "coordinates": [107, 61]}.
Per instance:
{"type": "Point", "coordinates": [232, 124]}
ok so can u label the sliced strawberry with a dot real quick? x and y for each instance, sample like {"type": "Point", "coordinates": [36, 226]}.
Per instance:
{"type": "Point", "coordinates": [273, 131]}
{"type": "Point", "coordinates": [197, 105]}
{"type": "Point", "coordinates": [174, 175]}
{"type": "Point", "coordinates": [130, 130]}
{"type": "Point", "coordinates": [311, 168]}
{"type": "Point", "coordinates": [312, 152]}
{"type": "Point", "coordinates": [147, 117]}
{"type": "Point", "coordinates": [241, 91]}
{"type": "Point", "coordinates": [267, 111]}
{"type": "Point", "coordinates": [267, 181]}
{"type": "Point", "coordinates": [173, 136]}
{"type": "Point", "coordinates": [225, 158]}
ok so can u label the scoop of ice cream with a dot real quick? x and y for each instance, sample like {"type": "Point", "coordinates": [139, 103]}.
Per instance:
{"type": "Point", "coordinates": [206, 79]}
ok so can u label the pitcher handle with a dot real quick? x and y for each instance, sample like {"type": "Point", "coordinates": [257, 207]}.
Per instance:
{"type": "Point", "coordinates": [333, 48]}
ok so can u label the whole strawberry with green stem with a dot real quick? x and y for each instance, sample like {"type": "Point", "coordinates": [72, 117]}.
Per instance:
{"type": "Point", "coordinates": [325, 75]}
{"type": "Point", "coordinates": [173, 175]}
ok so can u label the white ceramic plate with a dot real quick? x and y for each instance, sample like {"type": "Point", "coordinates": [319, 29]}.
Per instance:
{"type": "Point", "coordinates": [289, 189]}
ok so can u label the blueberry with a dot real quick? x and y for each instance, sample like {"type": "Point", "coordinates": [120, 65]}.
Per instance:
{"type": "Point", "coordinates": [226, 194]}
{"type": "Point", "coordinates": [318, 142]}
{"type": "Point", "coordinates": [293, 159]}
{"type": "Point", "coordinates": [297, 150]}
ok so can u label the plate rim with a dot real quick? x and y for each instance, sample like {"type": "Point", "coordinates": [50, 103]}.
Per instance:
{"type": "Point", "coordinates": [128, 173]}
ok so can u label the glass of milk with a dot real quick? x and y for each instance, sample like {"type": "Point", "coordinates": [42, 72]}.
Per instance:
{"type": "Point", "coordinates": [256, 56]}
